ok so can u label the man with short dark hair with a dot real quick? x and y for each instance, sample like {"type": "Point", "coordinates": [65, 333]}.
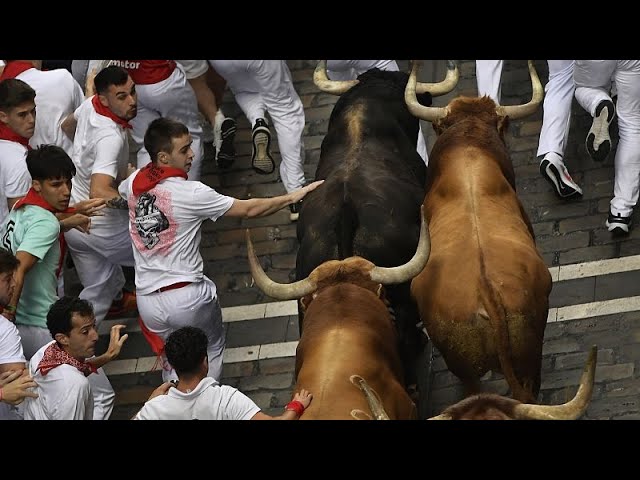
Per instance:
{"type": "Point", "coordinates": [199, 397]}
{"type": "Point", "coordinates": [62, 366]}
{"type": "Point", "coordinates": [166, 212]}
{"type": "Point", "coordinates": [101, 153]}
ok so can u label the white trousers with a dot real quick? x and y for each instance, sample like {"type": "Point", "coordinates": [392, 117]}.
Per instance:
{"type": "Point", "coordinates": [593, 83]}
{"type": "Point", "coordinates": [556, 118]}
{"type": "Point", "coordinates": [171, 98]}
{"type": "Point", "coordinates": [33, 338]}
{"type": "Point", "coordinates": [194, 305]}
{"type": "Point", "coordinates": [266, 85]}
{"type": "Point", "coordinates": [98, 258]}
{"type": "Point", "coordinates": [488, 78]}
{"type": "Point", "coordinates": [350, 69]}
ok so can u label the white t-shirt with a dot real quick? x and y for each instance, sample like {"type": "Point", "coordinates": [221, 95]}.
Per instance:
{"type": "Point", "coordinates": [193, 68]}
{"type": "Point", "coordinates": [100, 146]}
{"type": "Point", "coordinates": [64, 393]}
{"type": "Point", "coordinates": [165, 227]}
{"type": "Point", "coordinates": [15, 180]}
{"type": "Point", "coordinates": [57, 95]}
{"type": "Point", "coordinates": [208, 401]}
{"type": "Point", "coordinates": [10, 352]}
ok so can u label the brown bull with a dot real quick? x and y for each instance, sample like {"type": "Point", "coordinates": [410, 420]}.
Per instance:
{"type": "Point", "coordinates": [483, 296]}
{"type": "Point", "coordinates": [348, 344]}
{"type": "Point", "coordinates": [488, 406]}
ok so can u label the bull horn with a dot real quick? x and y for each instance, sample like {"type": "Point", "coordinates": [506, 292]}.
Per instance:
{"type": "Point", "coordinates": [402, 273]}
{"type": "Point", "coordinates": [442, 416]}
{"type": "Point", "coordinates": [276, 290]}
{"type": "Point", "coordinates": [443, 87]}
{"type": "Point", "coordinates": [430, 114]}
{"type": "Point", "coordinates": [334, 87]}
{"type": "Point", "coordinates": [373, 399]}
{"type": "Point", "coordinates": [571, 410]}
{"type": "Point", "coordinates": [519, 111]}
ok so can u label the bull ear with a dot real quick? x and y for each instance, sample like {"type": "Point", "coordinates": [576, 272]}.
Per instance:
{"type": "Point", "coordinates": [304, 303]}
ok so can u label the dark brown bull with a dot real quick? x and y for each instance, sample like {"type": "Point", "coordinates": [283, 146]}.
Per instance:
{"type": "Point", "coordinates": [483, 296]}
{"type": "Point", "coordinates": [349, 341]}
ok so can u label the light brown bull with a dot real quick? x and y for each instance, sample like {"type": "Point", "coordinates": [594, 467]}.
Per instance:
{"type": "Point", "coordinates": [349, 342]}
{"type": "Point", "coordinates": [483, 296]}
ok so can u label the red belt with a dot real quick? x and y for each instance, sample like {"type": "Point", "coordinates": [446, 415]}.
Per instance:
{"type": "Point", "coordinates": [173, 286]}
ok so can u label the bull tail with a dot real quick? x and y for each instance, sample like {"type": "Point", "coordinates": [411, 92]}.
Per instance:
{"type": "Point", "coordinates": [497, 317]}
{"type": "Point", "coordinates": [346, 229]}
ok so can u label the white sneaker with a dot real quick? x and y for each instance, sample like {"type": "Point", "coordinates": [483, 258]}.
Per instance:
{"type": "Point", "coordinates": [554, 170]}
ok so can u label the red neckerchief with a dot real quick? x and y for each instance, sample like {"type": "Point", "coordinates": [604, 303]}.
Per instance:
{"type": "Point", "coordinates": [150, 175]}
{"type": "Point", "coordinates": [33, 198]}
{"type": "Point", "coordinates": [7, 133]}
{"type": "Point", "coordinates": [13, 68]}
{"type": "Point", "coordinates": [102, 110]}
{"type": "Point", "coordinates": [54, 356]}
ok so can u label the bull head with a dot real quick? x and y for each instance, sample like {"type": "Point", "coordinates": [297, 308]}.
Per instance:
{"type": "Point", "coordinates": [338, 87]}
{"type": "Point", "coordinates": [383, 275]}
{"type": "Point", "coordinates": [571, 410]}
{"type": "Point", "coordinates": [431, 114]}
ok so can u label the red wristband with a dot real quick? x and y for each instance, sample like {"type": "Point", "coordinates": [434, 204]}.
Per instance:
{"type": "Point", "coordinates": [296, 406]}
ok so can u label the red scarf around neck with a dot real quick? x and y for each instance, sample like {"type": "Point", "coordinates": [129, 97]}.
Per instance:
{"type": "Point", "coordinates": [102, 110]}
{"type": "Point", "coordinates": [13, 68]}
{"type": "Point", "coordinates": [7, 133]}
{"type": "Point", "coordinates": [33, 198]}
{"type": "Point", "coordinates": [150, 175]}
{"type": "Point", "coordinates": [54, 356]}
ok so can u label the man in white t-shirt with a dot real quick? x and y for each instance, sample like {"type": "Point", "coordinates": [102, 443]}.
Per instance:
{"type": "Point", "coordinates": [62, 366]}
{"type": "Point", "coordinates": [101, 154]}
{"type": "Point", "coordinates": [12, 361]}
{"type": "Point", "coordinates": [199, 397]}
{"type": "Point", "coordinates": [17, 124]}
{"type": "Point", "coordinates": [165, 215]}
{"type": "Point", "coordinates": [57, 95]}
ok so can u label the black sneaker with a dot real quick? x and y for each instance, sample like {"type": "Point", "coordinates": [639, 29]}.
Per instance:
{"type": "Point", "coordinates": [227, 153]}
{"type": "Point", "coordinates": [261, 159]}
{"type": "Point", "coordinates": [558, 176]}
{"type": "Point", "coordinates": [598, 140]}
{"type": "Point", "coordinates": [295, 210]}
{"type": "Point", "coordinates": [618, 223]}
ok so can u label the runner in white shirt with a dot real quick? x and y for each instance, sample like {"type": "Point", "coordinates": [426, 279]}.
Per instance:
{"type": "Point", "coordinates": [11, 354]}
{"type": "Point", "coordinates": [199, 397]}
{"type": "Point", "coordinates": [57, 95]}
{"type": "Point", "coordinates": [165, 216]}
{"type": "Point", "coordinates": [17, 124]}
{"type": "Point", "coordinates": [62, 366]}
{"type": "Point", "coordinates": [101, 154]}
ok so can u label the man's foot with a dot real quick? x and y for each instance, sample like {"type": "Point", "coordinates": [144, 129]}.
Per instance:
{"type": "Point", "coordinates": [227, 153]}
{"type": "Point", "coordinates": [618, 224]}
{"type": "Point", "coordinates": [261, 159]}
{"type": "Point", "coordinates": [598, 140]}
{"type": "Point", "coordinates": [553, 169]}
{"type": "Point", "coordinates": [295, 211]}
{"type": "Point", "coordinates": [127, 306]}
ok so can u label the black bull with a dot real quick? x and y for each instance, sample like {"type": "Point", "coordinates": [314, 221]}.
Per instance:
{"type": "Point", "coordinates": [374, 185]}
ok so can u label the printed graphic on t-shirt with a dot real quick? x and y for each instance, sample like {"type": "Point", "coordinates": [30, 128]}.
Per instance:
{"type": "Point", "coordinates": [149, 220]}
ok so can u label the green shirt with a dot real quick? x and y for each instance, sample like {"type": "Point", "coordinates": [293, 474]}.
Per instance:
{"type": "Point", "coordinates": [35, 230]}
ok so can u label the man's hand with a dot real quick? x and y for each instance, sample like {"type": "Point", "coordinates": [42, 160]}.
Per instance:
{"type": "Point", "coordinates": [116, 341]}
{"type": "Point", "coordinates": [15, 387]}
{"type": "Point", "coordinates": [304, 397]}
{"type": "Point", "coordinates": [77, 221]}
{"type": "Point", "coordinates": [161, 390]}
{"type": "Point", "coordinates": [130, 169]}
{"type": "Point", "coordinates": [299, 194]}
{"type": "Point", "coordinates": [91, 207]}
